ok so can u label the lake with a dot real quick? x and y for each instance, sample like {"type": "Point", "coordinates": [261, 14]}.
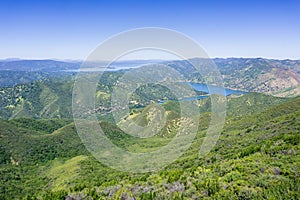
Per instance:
{"type": "Point", "coordinates": [212, 90]}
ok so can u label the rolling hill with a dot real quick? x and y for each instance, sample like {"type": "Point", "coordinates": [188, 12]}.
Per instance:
{"type": "Point", "coordinates": [256, 157]}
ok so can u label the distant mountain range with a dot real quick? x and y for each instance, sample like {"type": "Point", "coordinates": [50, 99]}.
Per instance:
{"type": "Point", "coordinates": [275, 77]}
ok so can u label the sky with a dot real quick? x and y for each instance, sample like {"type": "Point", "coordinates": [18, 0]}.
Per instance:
{"type": "Point", "coordinates": [72, 29]}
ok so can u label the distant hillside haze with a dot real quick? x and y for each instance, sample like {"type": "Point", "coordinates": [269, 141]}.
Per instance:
{"type": "Point", "coordinates": [276, 77]}
{"type": "Point", "coordinates": [37, 65]}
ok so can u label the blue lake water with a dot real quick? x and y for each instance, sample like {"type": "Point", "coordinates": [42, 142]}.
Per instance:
{"type": "Point", "coordinates": [210, 90]}
{"type": "Point", "coordinates": [214, 89]}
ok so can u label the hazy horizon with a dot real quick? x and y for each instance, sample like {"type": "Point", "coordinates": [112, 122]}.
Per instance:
{"type": "Point", "coordinates": [82, 60]}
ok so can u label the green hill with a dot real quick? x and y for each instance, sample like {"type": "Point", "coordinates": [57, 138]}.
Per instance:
{"type": "Point", "coordinates": [256, 157]}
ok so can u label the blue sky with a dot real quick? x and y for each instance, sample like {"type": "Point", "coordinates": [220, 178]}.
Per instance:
{"type": "Point", "coordinates": [72, 29]}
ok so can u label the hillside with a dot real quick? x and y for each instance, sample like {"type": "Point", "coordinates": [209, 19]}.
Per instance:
{"type": "Point", "coordinates": [256, 157]}
{"type": "Point", "coordinates": [275, 77]}
{"type": "Point", "coordinates": [52, 98]}
{"type": "Point", "coordinates": [43, 99]}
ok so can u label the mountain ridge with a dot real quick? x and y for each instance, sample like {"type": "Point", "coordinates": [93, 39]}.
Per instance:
{"type": "Point", "coordinates": [271, 76]}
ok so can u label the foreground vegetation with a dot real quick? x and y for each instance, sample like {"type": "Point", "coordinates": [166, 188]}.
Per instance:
{"type": "Point", "coordinates": [256, 157]}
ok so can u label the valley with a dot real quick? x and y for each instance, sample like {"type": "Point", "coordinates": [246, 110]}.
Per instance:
{"type": "Point", "coordinates": [255, 157]}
